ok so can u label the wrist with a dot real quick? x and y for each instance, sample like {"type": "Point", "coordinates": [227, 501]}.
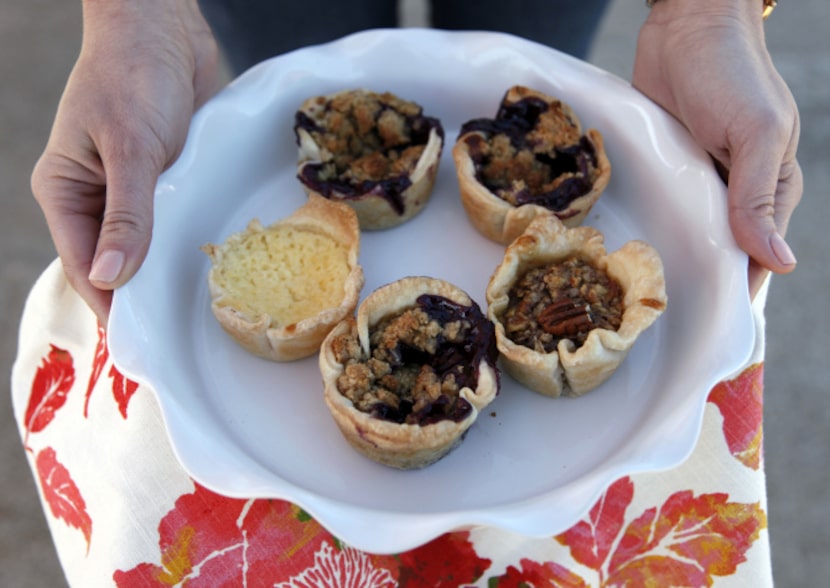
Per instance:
{"type": "Point", "coordinates": [159, 13]}
{"type": "Point", "coordinates": [751, 7]}
{"type": "Point", "coordinates": [115, 23]}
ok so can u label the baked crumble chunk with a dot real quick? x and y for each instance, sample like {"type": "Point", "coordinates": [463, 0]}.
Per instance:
{"type": "Point", "coordinates": [357, 142]}
{"type": "Point", "coordinates": [419, 361]}
{"type": "Point", "coordinates": [562, 300]}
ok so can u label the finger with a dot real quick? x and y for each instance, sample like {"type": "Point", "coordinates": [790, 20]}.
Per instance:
{"type": "Point", "coordinates": [762, 195]}
{"type": "Point", "coordinates": [127, 222]}
{"type": "Point", "coordinates": [788, 194]}
{"type": "Point", "coordinates": [72, 210]}
{"type": "Point", "coordinates": [74, 235]}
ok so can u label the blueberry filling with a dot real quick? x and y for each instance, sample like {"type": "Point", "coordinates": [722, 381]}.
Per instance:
{"type": "Point", "coordinates": [419, 361]}
{"type": "Point", "coordinates": [463, 357]}
{"type": "Point", "coordinates": [528, 172]}
{"type": "Point", "coordinates": [392, 189]}
{"type": "Point", "coordinates": [391, 161]}
{"type": "Point", "coordinates": [458, 359]}
{"type": "Point", "coordinates": [515, 120]}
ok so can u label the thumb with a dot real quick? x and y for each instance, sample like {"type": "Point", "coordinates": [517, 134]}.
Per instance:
{"type": "Point", "coordinates": [127, 223]}
{"type": "Point", "coordinates": [761, 198]}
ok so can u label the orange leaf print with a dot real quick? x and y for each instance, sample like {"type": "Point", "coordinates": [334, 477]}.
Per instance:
{"type": "Point", "coordinates": [685, 542]}
{"type": "Point", "coordinates": [741, 403]}
{"type": "Point", "coordinates": [689, 540]}
{"type": "Point", "coordinates": [53, 380]}
{"type": "Point", "coordinates": [214, 541]}
{"type": "Point", "coordinates": [591, 540]}
{"type": "Point", "coordinates": [61, 493]}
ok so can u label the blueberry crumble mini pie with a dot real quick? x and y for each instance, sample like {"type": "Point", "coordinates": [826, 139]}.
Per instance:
{"type": "Point", "coordinates": [374, 151]}
{"type": "Point", "coordinates": [532, 154]}
{"type": "Point", "coordinates": [407, 377]}
{"type": "Point", "coordinates": [566, 312]}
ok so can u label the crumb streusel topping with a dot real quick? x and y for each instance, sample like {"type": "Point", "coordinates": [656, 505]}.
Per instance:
{"type": "Point", "coordinates": [369, 139]}
{"type": "Point", "coordinates": [533, 152]}
{"type": "Point", "coordinates": [420, 360]}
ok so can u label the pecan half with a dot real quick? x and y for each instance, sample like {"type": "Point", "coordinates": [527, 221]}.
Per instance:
{"type": "Point", "coordinates": [566, 317]}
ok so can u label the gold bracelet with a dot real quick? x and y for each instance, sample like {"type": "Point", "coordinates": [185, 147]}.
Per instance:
{"type": "Point", "coordinates": [768, 7]}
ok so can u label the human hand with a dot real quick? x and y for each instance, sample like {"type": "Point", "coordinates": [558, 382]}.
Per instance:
{"type": "Point", "coordinates": [706, 63]}
{"type": "Point", "coordinates": [144, 67]}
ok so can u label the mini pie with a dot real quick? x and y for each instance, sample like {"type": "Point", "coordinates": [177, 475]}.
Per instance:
{"type": "Point", "coordinates": [279, 290]}
{"type": "Point", "coordinates": [376, 152]}
{"type": "Point", "coordinates": [407, 377]}
{"type": "Point", "coordinates": [567, 313]}
{"type": "Point", "coordinates": [532, 155]}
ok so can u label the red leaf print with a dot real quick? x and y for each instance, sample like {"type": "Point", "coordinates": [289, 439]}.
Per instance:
{"type": "Point", "coordinates": [101, 355]}
{"type": "Point", "coordinates": [592, 540]}
{"type": "Point", "coordinates": [449, 560]}
{"type": "Point", "coordinates": [122, 390]}
{"type": "Point", "coordinates": [53, 380]}
{"type": "Point", "coordinates": [538, 575]}
{"type": "Point", "coordinates": [687, 542]}
{"type": "Point", "coordinates": [741, 403]}
{"type": "Point", "coordinates": [61, 493]}
{"type": "Point", "coordinates": [212, 541]}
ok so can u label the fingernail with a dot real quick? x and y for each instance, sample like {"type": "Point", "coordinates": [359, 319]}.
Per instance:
{"type": "Point", "coordinates": [782, 250]}
{"type": "Point", "coordinates": [107, 267]}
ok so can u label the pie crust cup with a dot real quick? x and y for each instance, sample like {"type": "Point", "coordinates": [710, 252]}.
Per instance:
{"type": "Point", "coordinates": [383, 202]}
{"type": "Point", "coordinates": [571, 370]}
{"type": "Point", "coordinates": [496, 218]}
{"type": "Point", "coordinates": [242, 314]}
{"type": "Point", "coordinates": [402, 446]}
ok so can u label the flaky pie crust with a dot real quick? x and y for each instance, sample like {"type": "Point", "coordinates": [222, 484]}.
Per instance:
{"type": "Point", "coordinates": [499, 220]}
{"type": "Point", "coordinates": [571, 371]}
{"type": "Point", "coordinates": [403, 446]}
{"type": "Point", "coordinates": [278, 342]}
{"type": "Point", "coordinates": [373, 210]}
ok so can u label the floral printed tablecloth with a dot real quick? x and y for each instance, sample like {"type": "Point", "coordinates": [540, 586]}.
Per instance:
{"type": "Point", "coordinates": [123, 512]}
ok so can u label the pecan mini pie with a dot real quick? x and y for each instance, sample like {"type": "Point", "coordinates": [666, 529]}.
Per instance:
{"type": "Point", "coordinates": [376, 152]}
{"type": "Point", "coordinates": [533, 154]}
{"type": "Point", "coordinates": [567, 313]}
{"type": "Point", "coordinates": [279, 290]}
{"type": "Point", "coordinates": [409, 375]}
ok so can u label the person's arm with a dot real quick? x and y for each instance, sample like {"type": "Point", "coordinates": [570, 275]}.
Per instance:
{"type": "Point", "coordinates": [143, 68]}
{"type": "Point", "coordinates": [706, 62]}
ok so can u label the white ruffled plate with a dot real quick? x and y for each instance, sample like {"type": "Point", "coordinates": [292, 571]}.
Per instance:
{"type": "Point", "coordinates": [245, 427]}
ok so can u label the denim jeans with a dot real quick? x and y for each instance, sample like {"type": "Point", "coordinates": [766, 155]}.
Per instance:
{"type": "Point", "coordinates": [252, 30]}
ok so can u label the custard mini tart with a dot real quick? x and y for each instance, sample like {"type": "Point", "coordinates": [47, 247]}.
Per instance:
{"type": "Point", "coordinates": [278, 290]}
{"type": "Point", "coordinates": [532, 155]}
{"type": "Point", "coordinates": [566, 312]}
{"type": "Point", "coordinates": [374, 151]}
{"type": "Point", "coordinates": [407, 377]}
